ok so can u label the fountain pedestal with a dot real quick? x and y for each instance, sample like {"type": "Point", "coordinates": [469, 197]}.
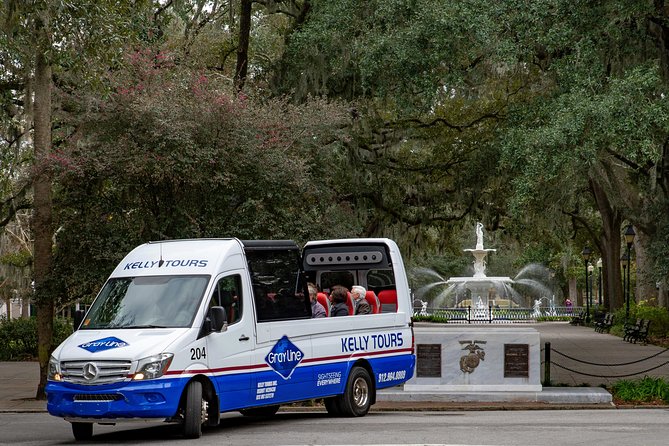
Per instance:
{"type": "Point", "coordinates": [476, 358]}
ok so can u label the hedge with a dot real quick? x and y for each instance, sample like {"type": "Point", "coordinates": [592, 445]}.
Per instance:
{"type": "Point", "coordinates": [18, 337]}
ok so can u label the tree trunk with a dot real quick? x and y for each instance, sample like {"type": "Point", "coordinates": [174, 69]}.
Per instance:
{"type": "Point", "coordinates": [42, 220]}
{"type": "Point", "coordinates": [609, 245]}
{"type": "Point", "coordinates": [645, 288]}
{"type": "Point", "coordinates": [243, 47]}
{"type": "Point", "coordinates": [573, 291]}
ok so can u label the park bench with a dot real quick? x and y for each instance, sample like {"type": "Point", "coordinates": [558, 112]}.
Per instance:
{"type": "Point", "coordinates": [640, 332]}
{"type": "Point", "coordinates": [629, 329]}
{"type": "Point", "coordinates": [605, 324]}
{"type": "Point", "coordinates": [637, 332]}
{"type": "Point", "coordinates": [578, 319]}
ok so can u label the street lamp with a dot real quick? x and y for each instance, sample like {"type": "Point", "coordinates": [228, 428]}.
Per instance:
{"type": "Point", "coordinates": [629, 239]}
{"type": "Point", "coordinates": [599, 282]}
{"type": "Point", "coordinates": [624, 261]}
{"type": "Point", "coordinates": [586, 256]}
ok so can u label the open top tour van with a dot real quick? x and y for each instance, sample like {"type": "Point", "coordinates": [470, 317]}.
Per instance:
{"type": "Point", "coordinates": [186, 329]}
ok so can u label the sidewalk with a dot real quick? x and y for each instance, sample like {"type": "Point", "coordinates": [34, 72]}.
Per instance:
{"type": "Point", "coordinates": [584, 344]}
{"type": "Point", "coordinates": [18, 384]}
{"type": "Point", "coordinates": [18, 380]}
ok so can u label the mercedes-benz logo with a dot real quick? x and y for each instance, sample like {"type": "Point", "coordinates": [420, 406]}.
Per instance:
{"type": "Point", "coordinates": [90, 371]}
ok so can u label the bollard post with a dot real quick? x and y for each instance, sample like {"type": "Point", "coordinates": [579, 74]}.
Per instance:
{"type": "Point", "coordinates": [547, 363]}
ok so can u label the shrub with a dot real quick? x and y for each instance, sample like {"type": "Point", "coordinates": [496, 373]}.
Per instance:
{"type": "Point", "coordinates": [430, 318]}
{"type": "Point", "coordinates": [553, 318]}
{"type": "Point", "coordinates": [18, 337]}
{"type": "Point", "coordinates": [647, 389]}
{"type": "Point", "coordinates": [659, 317]}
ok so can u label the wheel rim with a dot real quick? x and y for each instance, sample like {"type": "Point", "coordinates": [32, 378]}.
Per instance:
{"type": "Point", "coordinates": [360, 392]}
{"type": "Point", "coordinates": [204, 411]}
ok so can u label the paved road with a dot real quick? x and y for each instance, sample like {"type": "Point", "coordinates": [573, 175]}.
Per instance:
{"type": "Point", "coordinates": [614, 427]}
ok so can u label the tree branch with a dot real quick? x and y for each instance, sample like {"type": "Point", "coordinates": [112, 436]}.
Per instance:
{"type": "Point", "coordinates": [15, 203]}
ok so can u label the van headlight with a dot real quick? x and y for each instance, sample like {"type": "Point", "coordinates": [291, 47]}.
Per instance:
{"type": "Point", "coordinates": [53, 373]}
{"type": "Point", "coordinates": [153, 367]}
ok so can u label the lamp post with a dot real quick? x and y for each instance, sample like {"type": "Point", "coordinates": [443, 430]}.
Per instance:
{"type": "Point", "coordinates": [586, 256]}
{"type": "Point", "coordinates": [624, 260]}
{"type": "Point", "coordinates": [599, 282]}
{"type": "Point", "coordinates": [591, 284]}
{"type": "Point", "coordinates": [629, 239]}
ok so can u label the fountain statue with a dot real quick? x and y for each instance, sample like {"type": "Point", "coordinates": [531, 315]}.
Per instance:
{"type": "Point", "coordinates": [479, 235]}
{"type": "Point", "coordinates": [480, 253]}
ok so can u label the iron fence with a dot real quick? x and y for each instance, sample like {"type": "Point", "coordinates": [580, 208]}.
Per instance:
{"type": "Point", "coordinates": [469, 315]}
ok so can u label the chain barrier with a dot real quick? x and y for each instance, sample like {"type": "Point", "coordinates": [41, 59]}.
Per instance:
{"type": "Point", "coordinates": [608, 365]}
{"type": "Point", "coordinates": [609, 376]}
{"type": "Point", "coordinates": [548, 363]}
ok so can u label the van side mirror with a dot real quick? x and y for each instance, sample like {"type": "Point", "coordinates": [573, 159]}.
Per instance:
{"type": "Point", "coordinates": [218, 319]}
{"type": "Point", "coordinates": [78, 318]}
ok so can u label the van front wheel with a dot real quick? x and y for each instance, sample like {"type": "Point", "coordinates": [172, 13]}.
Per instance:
{"type": "Point", "coordinates": [357, 397]}
{"type": "Point", "coordinates": [195, 411]}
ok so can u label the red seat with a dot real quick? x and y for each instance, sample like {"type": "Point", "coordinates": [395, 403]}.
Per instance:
{"type": "Point", "coordinates": [373, 301]}
{"type": "Point", "coordinates": [323, 300]}
{"type": "Point", "coordinates": [388, 299]}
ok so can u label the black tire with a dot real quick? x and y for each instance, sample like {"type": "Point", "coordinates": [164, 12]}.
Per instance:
{"type": "Point", "coordinates": [332, 406]}
{"type": "Point", "coordinates": [266, 411]}
{"type": "Point", "coordinates": [82, 431]}
{"type": "Point", "coordinates": [193, 418]}
{"type": "Point", "coordinates": [358, 395]}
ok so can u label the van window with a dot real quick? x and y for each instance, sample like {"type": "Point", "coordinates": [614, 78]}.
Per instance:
{"type": "Point", "coordinates": [331, 278]}
{"type": "Point", "coordinates": [146, 302]}
{"type": "Point", "coordinates": [228, 294]}
{"type": "Point", "coordinates": [279, 289]}
{"type": "Point", "coordinates": [380, 279]}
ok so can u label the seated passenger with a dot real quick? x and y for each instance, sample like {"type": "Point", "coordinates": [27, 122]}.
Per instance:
{"type": "Point", "coordinates": [317, 310]}
{"type": "Point", "coordinates": [339, 295]}
{"type": "Point", "coordinates": [361, 304]}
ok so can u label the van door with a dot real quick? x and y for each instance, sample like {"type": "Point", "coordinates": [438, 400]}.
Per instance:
{"type": "Point", "coordinates": [230, 352]}
{"type": "Point", "coordinates": [283, 312]}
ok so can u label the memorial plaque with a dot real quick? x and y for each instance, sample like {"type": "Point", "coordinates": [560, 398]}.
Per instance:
{"type": "Point", "coordinates": [428, 361]}
{"type": "Point", "coordinates": [516, 361]}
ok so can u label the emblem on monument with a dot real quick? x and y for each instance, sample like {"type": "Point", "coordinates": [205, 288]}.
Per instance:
{"type": "Point", "coordinates": [476, 354]}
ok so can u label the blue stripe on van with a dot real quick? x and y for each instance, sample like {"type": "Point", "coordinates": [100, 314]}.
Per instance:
{"type": "Point", "coordinates": [249, 388]}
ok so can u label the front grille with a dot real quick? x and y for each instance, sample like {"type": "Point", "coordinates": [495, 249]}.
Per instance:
{"type": "Point", "coordinates": [95, 372]}
{"type": "Point", "coordinates": [100, 397]}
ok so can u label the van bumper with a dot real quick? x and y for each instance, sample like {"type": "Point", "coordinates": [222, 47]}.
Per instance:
{"type": "Point", "coordinates": [127, 400]}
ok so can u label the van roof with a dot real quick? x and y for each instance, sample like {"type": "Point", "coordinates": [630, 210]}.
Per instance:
{"type": "Point", "coordinates": [184, 256]}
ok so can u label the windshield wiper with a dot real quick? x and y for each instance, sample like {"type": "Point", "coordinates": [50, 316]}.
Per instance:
{"type": "Point", "coordinates": [143, 326]}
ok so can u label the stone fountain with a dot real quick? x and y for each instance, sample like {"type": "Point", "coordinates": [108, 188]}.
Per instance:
{"type": "Point", "coordinates": [482, 289]}
{"type": "Point", "coordinates": [480, 357]}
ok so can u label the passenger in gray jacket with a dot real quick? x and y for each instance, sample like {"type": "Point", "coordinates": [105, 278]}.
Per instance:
{"type": "Point", "coordinates": [339, 296]}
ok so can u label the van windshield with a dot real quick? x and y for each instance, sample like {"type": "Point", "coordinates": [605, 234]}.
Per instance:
{"type": "Point", "coordinates": [147, 302]}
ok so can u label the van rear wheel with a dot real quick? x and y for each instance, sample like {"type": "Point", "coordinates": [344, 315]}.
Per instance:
{"type": "Point", "coordinates": [195, 411]}
{"type": "Point", "coordinates": [357, 398]}
{"type": "Point", "coordinates": [82, 431]}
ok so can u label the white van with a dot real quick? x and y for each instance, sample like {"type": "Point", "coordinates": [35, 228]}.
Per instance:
{"type": "Point", "coordinates": [186, 329]}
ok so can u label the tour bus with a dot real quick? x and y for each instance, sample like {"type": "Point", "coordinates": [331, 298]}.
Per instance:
{"type": "Point", "coordinates": [184, 330]}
